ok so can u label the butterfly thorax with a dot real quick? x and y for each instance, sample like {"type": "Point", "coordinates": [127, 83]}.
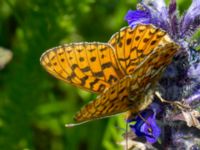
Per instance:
{"type": "Point", "coordinates": [139, 103]}
{"type": "Point", "coordinates": [142, 99]}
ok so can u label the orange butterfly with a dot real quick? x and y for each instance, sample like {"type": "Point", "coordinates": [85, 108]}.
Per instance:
{"type": "Point", "coordinates": [124, 71]}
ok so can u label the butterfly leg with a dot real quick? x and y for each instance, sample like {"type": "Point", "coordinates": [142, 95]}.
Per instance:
{"type": "Point", "coordinates": [180, 105]}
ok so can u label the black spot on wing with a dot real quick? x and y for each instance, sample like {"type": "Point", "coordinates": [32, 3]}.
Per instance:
{"type": "Point", "coordinates": [74, 66]}
{"type": "Point", "coordinates": [101, 87]}
{"type": "Point", "coordinates": [83, 80]}
{"type": "Point", "coordinates": [81, 59]}
{"type": "Point", "coordinates": [93, 83]}
{"type": "Point", "coordinates": [120, 44]}
{"type": "Point", "coordinates": [93, 59]}
{"type": "Point", "coordinates": [86, 69]}
{"type": "Point", "coordinates": [112, 79]}
{"type": "Point", "coordinates": [145, 40]}
{"type": "Point", "coordinates": [153, 42]}
{"type": "Point", "coordinates": [128, 41]}
{"type": "Point", "coordinates": [137, 38]}
{"type": "Point", "coordinates": [98, 74]}
{"type": "Point", "coordinates": [106, 65]}
{"type": "Point", "coordinates": [122, 90]}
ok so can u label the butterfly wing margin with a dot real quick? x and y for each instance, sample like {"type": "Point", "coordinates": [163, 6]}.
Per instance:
{"type": "Point", "coordinates": [91, 66]}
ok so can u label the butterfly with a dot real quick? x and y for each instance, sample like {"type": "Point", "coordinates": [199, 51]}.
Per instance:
{"type": "Point", "coordinates": [123, 72]}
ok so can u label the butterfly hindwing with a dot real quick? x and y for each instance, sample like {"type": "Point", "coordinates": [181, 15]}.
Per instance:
{"type": "Point", "coordinates": [111, 102]}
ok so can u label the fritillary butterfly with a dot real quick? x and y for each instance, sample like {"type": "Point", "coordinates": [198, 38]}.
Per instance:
{"type": "Point", "coordinates": [124, 71]}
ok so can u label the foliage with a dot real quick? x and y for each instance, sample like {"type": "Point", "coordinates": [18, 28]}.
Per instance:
{"type": "Point", "coordinates": [34, 106]}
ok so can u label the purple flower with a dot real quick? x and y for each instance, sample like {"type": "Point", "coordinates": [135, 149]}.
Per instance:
{"type": "Point", "coordinates": [156, 12]}
{"type": "Point", "coordinates": [191, 20]}
{"type": "Point", "coordinates": [193, 73]}
{"type": "Point", "coordinates": [146, 125]}
{"type": "Point", "coordinates": [181, 79]}
{"type": "Point", "coordinates": [187, 61]}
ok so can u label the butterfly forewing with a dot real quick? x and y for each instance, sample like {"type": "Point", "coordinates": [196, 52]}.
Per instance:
{"type": "Point", "coordinates": [133, 45]}
{"type": "Point", "coordinates": [92, 66]}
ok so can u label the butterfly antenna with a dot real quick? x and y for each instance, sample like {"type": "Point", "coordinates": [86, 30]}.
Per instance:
{"type": "Point", "coordinates": [120, 128]}
{"type": "Point", "coordinates": [70, 125]}
{"type": "Point", "coordinates": [143, 119]}
{"type": "Point", "coordinates": [146, 123]}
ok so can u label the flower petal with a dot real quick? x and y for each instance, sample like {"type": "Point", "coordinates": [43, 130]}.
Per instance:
{"type": "Point", "coordinates": [146, 126]}
{"type": "Point", "coordinates": [172, 7]}
{"type": "Point", "coordinates": [158, 11]}
{"type": "Point", "coordinates": [193, 71]}
{"type": "Point", "coordinates": [151, 128]}
{"type": "Point", "coordinates": [195, 97]}
{"type": "Point", "coordinates": [155, 4]}
{"type": "Point", "coordinates": [191, 20]}
{"type": "Point", "coordinates": [174, 22]}
{"type": "Point", "coordinates": [135, 17]}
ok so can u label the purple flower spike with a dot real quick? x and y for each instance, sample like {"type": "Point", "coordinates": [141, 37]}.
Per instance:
{"type": "Point", "coordinates": [181, 79]}
{"type": "Point", "coordinates": [172, 11]}
{"type": "Point", "coordinates": [147, 126]}
{"type": "Point", "coordinates": [157, 13]}
{"type": "Point", "coordinates": [194, 72]}
{"type": "Point", "coordinates": [191, 20]}
{"type": "Point", "coordinates": [172, 7]}
{"type": "Point", "coordinates": [135, 17]}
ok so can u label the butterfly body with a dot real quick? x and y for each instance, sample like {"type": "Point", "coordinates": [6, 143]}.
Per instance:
{"type": "Point", "coordinates": [124, 71]}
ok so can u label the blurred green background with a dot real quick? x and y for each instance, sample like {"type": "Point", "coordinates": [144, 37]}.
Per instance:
{"type": "Point", "coordinates": [34, 106]}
